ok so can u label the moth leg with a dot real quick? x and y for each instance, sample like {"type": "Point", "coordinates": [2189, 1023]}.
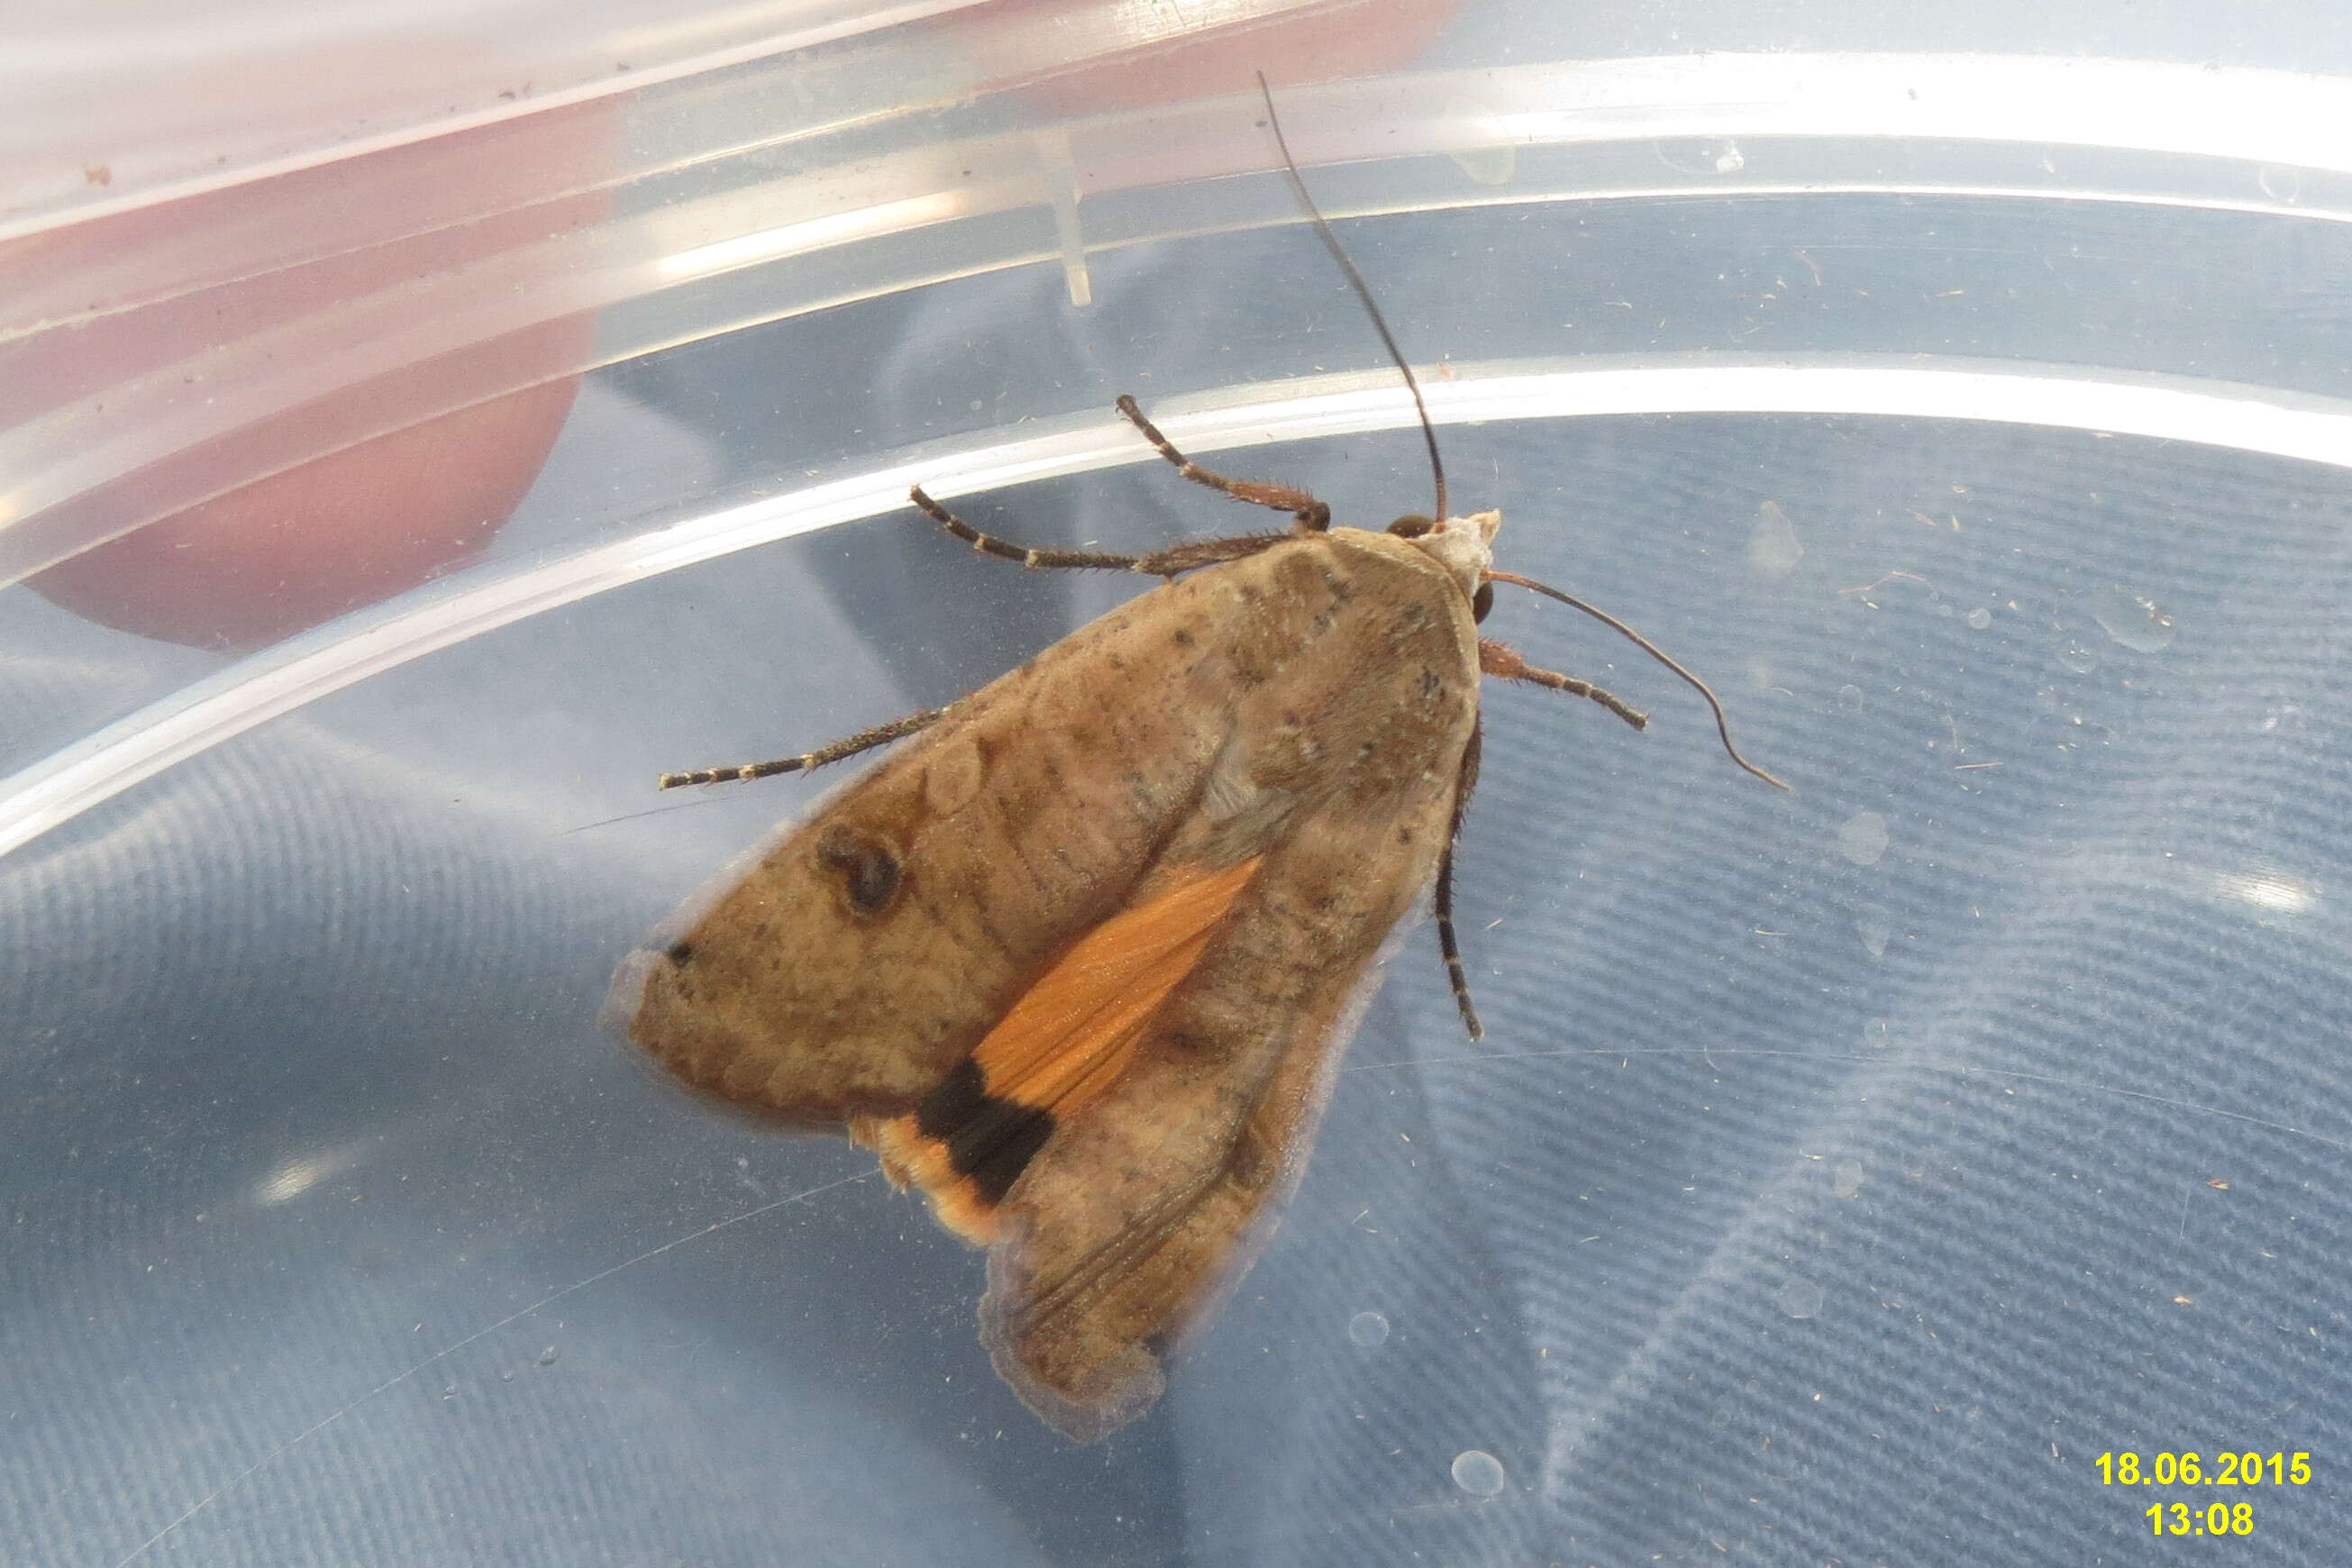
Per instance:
{"type": "Point", "coordinates": [1313, 516]}
{"type": "Point", "coordinates": [1205, 552]}
{"type": "Point", "coordinates": [1159, 564]}
{"type": "Point", "coordinates": [864, 741]}
{"type": "Point", "coordinates": [1447, 946]}
{"type": "Point", "coordinates": [1004, 550]}
{"type": "Point", "coordinates": [1502, 659]}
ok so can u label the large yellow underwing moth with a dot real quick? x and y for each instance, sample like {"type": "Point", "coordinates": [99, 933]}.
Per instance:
{"type": "Point", "coordinates": [1079, 960]}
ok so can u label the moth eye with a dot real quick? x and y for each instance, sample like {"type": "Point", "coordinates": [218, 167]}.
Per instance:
{"type": "Point", "coordinates": [870, 872]}
{"type": "Point", "coordinates": [1482, 600]}
{"type": "Point", "coordinates": [1410, 526]}
{"type": "Point", "coordinates": [679, 952]}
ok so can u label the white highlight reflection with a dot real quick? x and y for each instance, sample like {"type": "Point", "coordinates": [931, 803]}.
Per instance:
{"type": "Point", "coordinates": [810, 235]}
{"type": "Point", "coordinates": [293, 1177]}
{"type": "Point", "coordinates": [2266, 890]}
{"type": "Point", "coordinates": [286, 677]}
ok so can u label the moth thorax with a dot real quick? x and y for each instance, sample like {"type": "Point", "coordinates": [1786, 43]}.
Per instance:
{"type": "Point", "coordinates": [1463, 545]}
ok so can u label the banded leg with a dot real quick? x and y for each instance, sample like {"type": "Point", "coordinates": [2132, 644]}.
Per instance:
{"type": "Point", "coordinates": [1157, 564]}
{"type": "Point", "coordinates": [1313, 516]}
{"type": "Point", "coordinates": [1448, 947]}
{"type": "Point", "coordinates": [864, 741]}
{"type": "Point", "coordinates": [1506, 661]}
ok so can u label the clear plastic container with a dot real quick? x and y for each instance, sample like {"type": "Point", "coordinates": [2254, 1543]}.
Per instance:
{"type": "Point", "coordinates": [414, 447]}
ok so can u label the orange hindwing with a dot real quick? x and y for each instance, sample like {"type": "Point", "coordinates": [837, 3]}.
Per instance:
{"type": "Point", "coordinates": [1062, 1043]}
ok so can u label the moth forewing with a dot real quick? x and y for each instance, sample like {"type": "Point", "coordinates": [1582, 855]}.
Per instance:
{"type": "Point", "coordinates": [1302, 713]}
{"type": "Point", "coordinates": [801, 992]}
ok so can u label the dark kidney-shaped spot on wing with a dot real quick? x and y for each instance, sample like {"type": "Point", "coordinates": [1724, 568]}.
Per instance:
{"type": "Point", "coordinates": [869, 868]}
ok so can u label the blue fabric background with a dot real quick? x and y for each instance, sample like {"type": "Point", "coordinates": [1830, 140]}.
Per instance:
{"type": "Point", "coordinates": [1795, 1210]}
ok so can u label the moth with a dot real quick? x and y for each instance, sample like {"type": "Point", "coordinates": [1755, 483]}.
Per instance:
{"type": "Point", "coordinates": [1079, 958]}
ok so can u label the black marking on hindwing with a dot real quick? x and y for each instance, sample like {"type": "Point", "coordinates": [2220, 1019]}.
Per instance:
{"type": "Point", "coordinates": [990, 1141]}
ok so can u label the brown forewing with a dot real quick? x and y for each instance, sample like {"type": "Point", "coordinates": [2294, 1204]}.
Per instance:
{"type": "Point", "coordinates": [1309, 705]}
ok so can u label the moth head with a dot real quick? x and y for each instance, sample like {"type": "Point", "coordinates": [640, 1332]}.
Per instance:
{"type": "Point", "coordinates": [1465, 546]}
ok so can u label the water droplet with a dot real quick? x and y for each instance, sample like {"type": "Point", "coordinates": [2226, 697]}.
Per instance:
{"type": "Point", "coordinates": [451, 1392]}
{"type": "Point", "coordinates": [2080, 656]}
{"type": "Point", "coordinates": [1846, 1178]}
{"type": "Point", "coordinates": [1801, 1298]}
{"type": "Point", "coordinates": [1874, 934]}
{"type": "Point", "coordinates": [1979, 619]}
{"type": "Point", "coordinates": [1863, 838]}
{"type": "Point", "coordinates": [1850, 699]}
{"type": "Point", "coordinates": [2281, 184]}
{"type": "Point", "coordinates": [1368, 1329]}
{"type": "Point", "coordinates": [1943, 609]}
{"type": "Point", "coordinates": [1773, 547]}
{"type": "Point", "coordinates": [1480, 1473]}
{"type": "Point", "coordinates": [2133, 620]}
{"type": "Point", "coordinates": [1877, 1034]}
{"type": "Point", "coordinates": [1702, 155]}
{"type": "Point", "coordinates": [547, 1357]}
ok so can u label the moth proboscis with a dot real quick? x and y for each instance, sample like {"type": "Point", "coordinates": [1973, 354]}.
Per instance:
{"type": "Point", "coordinates": [1079, 960]}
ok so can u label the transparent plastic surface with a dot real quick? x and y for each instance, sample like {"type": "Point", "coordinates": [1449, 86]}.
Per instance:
{"type": "Point", "coordinates": [1842, 1173]}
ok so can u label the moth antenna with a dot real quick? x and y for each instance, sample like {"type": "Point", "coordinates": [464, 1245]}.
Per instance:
{"type": "Point", "coordinates": [1363, 291]}
{"type": "Point", "coordinates": [1722, 725]}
